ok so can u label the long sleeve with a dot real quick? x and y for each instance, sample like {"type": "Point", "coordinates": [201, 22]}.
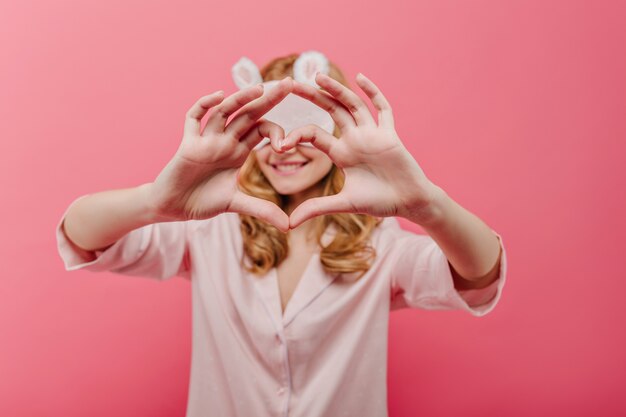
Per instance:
{"type": "Point", "coordinates": [158, 250]}
{"type": "Point", "coordinates": [421, 278]}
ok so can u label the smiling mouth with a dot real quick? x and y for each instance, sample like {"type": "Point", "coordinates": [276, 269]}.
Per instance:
{"type": "Point", "coordinates": [287, 169]}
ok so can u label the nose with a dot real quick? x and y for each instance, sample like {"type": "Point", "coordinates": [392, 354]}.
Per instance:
{"type": "Point", "coordinates": [290, 151]}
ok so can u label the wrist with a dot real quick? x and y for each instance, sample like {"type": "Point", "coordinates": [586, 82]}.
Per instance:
{"type": "Point", "coordinates": [430, 208]}
{"type": "Point", "coordinates": [149, 207]}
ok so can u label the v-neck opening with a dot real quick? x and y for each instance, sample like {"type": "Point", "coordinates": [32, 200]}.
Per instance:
{"type": "Point", "coordinates": [295, 290]}
{"type": "Point", "coordinates": [312, 283]}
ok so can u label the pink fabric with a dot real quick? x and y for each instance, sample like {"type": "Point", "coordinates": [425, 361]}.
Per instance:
{"type": "Point", "coordinates": [327, 355]}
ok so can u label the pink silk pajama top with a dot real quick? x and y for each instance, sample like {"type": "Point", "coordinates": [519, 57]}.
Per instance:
{"type": "Point", "coordinates": [327, 354]}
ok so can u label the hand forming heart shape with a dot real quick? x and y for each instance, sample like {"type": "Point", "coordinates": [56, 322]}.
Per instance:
{"type": "Point", "coordinates": [200, 181]}
{"type": "Point", "coordinates": [381, 177]}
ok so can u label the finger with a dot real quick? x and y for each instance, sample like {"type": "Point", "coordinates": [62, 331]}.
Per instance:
{"type": "Point", "coordinates": [264, 129]}
{"type": "Point", "coordinates": [348, 98]}
{"type": "Point", "coordinates": [313, 134]}
{"type": "Point", "coordinates": [318, 206]}
{"type": "Point", "coordinates": [261, 209]}
{"type": "Point", "coordinates": [385, 115]}
{"type": "Point", "coordinates": [195, 114]}
{"type": "Point", "coordinates": [250, 113]}
{"type": "Point", "coordinates": [337, 111]}
{"type": "Point", "coordinates": [217, 120]}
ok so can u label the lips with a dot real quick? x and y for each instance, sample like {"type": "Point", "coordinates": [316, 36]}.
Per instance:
{"type": "Point", "coordinates": [289, 163]}
{"type": "Point", "coordinates": [288, 168]}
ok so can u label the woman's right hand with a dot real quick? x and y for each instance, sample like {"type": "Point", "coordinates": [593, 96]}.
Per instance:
{"type": "Point", "coordinates": [201, 179]}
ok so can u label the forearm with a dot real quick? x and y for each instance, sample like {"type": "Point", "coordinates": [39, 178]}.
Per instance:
{"type": "Point", "coordinates": [100, 219]}
{"type": "Point", "coordinates": [468, 243]}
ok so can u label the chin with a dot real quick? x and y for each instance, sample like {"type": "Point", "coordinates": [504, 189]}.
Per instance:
{"type": "Point", "coordinates": [288, 188]}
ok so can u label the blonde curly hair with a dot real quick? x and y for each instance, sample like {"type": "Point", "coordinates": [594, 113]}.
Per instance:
{"type": "Point", "coordinates": [266, 246]}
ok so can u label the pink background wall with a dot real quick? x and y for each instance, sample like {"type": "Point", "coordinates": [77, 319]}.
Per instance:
{"type": "Point", "coordinates": [515, 108]}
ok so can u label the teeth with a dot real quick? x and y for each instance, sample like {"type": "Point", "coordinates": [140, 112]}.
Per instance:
{"type": "Point", "coordinates": [289, 167]}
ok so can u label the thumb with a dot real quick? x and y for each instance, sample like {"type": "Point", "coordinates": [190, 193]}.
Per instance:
{"type": "Point", "coordinates": [314, 135]}
{"type": "Point", "coordinates": [261, 130]}
{"type": "Point", "coordinates": [318, 206]}
{"type": "Point", "coordinates": [261, 209]}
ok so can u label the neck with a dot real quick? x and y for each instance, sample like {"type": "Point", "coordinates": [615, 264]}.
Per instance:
{"type": "Point", "coordinates": [293, 201]}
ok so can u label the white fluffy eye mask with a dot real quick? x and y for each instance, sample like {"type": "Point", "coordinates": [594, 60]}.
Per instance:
{"type": "Point", "coordinates": [294, 111]}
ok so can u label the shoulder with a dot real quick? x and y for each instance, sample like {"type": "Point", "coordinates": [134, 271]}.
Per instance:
{"type": "Point", "coordinates": [389, 236]}
{"type": "Point", "coordinates": [220, 220]}
{"type": "Point", "coordinates": [222, 226]}
{"type": "Point", "coordinates": [387, 230]}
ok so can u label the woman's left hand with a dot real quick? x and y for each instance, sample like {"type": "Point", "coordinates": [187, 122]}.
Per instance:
{"type": "Point", "coordinates": [381, 177]}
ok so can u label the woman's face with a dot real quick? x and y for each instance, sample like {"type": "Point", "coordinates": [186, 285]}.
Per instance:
{"type": "Point", "coordinates": [294, 172]}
